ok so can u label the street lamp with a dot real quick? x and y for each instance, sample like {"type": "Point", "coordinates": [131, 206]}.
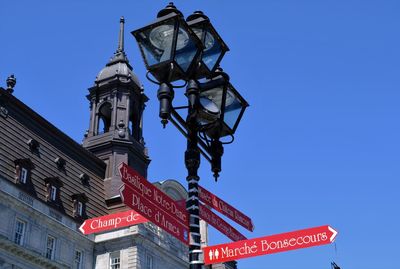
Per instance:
{"type": "Point", "coordinates": [221, 106]}
{"type": "Point", "coordinates": [214, 47]}
{"type": "Point", "coordinates": [169, 49]}
{"type": "Point", "coordinates": [220, 110]}
{"type": "Point", "coordinates": [175, 50]}
{"type": "Point", "coordinates": [168, 45]}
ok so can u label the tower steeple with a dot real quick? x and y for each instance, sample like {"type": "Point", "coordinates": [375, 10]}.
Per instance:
{"type": "Point", "coordinates": [121, 35]}
{"type": "Point", "coordinates": [117, 102]}
{"type": "Point", "coordinates": [119, 55]}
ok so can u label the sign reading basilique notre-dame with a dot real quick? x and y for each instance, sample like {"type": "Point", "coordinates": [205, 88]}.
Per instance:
{"type": "Point", "coordinates": [153, 204]}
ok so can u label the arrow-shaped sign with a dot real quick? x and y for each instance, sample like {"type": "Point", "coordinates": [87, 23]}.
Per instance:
{"type": "Point", "coordinates": [112, 221]}
{"type": "Point", "coordinates": [221, 225]}
{"type": "Point", "coordinates": [156, 196]}
{"type": "Point", "coordinates": [218, 223]}
{"type": "Point", "coordinates": [150, 211]}
{"type": "Point", "coordinates": [269, 244]}
{"type": "Point", "coordinates": [153, 204]}
{"type": "Point", "coordinates": [223, 207]}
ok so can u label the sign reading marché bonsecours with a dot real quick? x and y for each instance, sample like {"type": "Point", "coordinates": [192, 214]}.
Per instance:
{"type": "Point", "coordinates": [153, 204]}
{"type": "Point", "coordinates": [269, 244]}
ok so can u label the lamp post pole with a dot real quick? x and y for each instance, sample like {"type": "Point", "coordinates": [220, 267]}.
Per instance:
{"type": "Point", "coordinates": [192, 163]}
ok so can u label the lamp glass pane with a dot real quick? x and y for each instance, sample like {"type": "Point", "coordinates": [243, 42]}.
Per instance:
{"type": "Point", "coordinates": [186, 49]}
{"type": "Point", "coordinates": [156, 43]}
{"type": "Point", "coordinates": [212, 51]}
{"type": "Point", "coordinates": [215, 95]}
{"type": "Point", "coordinates": [233, 106]}
{"type": "Point", "coordinates": [212, 48]}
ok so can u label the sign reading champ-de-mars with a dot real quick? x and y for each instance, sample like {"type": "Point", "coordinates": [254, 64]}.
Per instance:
{"type": "Point", "coordinates": [112, 221]}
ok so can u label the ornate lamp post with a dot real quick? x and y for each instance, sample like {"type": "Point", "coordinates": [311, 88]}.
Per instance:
{"type": "Point", "coordinates": [175, 49]}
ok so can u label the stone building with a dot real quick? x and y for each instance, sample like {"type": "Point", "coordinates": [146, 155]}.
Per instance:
{"type": "Point", "coordinates": [49, 184]}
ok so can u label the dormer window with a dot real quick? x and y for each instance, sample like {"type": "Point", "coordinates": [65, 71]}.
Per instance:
{"type": "Point", "coordinates": [79, 205]}
{"type": "Point", "coordinates": [23, 169]}
{"type": "Point", "coordinates": [53, 186]}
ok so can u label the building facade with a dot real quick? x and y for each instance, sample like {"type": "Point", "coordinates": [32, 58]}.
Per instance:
{"type": "Point", "coordinates": [49, 184]}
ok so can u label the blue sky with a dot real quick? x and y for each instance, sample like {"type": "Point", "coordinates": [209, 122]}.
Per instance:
{"type": "Point", "coordinates": [319, 143]}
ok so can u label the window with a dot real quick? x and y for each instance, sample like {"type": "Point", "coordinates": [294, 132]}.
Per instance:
{"type": "Point", "coordinates": [78, 259]}
{"type": "Point", "coordinates": [115, 260]}
{"type": "Point", "coordinates": [104, 118]}
{"type": "Point", "coordinates": [53, 193]}
{"type": "Point", "coordinates": [23, 176]}
{"type": "Point", "coordinates": [19, 232]}
{"type": "Point", "coordinates": [80, 209]}
{"type": "Point", "coordinates": [50, 247]}
{"type": "Point", "coordinates": [149, 262]}
{"type": "Point", "coordinates": [22, 171]}
{"type": "Point", "coordinates": [53, 185]}
{"type": "Point", "coordinates": [79, 205]}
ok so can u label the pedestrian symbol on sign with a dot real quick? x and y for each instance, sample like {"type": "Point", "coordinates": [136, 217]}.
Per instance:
{"type": "Point", "coordinates": [211, 255]}
{"type": "Point", "coordinates": [216, 253]}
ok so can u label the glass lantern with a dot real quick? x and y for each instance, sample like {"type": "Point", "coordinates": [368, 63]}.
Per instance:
{"type": "Point", "coordinates": [221, 107]}
{"type": "Point", "coordinates": [214, 47]}
{"type": "Point", "coordinates": [169, 46]}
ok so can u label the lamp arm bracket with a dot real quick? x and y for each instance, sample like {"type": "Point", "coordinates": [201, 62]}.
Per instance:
{"type": "Point", "coordinates": [150, 79]}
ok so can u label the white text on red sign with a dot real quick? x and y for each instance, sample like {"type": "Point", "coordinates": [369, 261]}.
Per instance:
{"type": "Point", "coordinates": [112, 221]}
{"type": "Point", "coordinates": [269, 244]}
{"type": "Point", "coordinates": [146, 189]}
{"type": "Point", "coordinates": [223, 207]}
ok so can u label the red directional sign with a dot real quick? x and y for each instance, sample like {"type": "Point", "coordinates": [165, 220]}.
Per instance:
{"type": "Point", "coordinates": [214, 220]}
{"type": "Point", "coordinates": [208, 216]}
{"type": "Point", "coordinates": [112, 221]}
{"type": "Point", "coordinates": [269, 244]}
{"type": "Point", "coordinates": [153, 204]}
{"type": "Point", "coordinates": [223, 207]}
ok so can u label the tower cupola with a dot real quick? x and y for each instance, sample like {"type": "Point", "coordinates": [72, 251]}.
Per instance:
{"type": "Point", "coordinates": [115, 133]}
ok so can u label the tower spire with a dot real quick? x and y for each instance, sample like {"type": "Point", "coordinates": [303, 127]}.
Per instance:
{"type": "Point", "coordinates": [119, 54]}
{"type": "Point", "coordinates": [121, 35]}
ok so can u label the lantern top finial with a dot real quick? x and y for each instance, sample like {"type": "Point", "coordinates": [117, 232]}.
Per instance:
{"type": "Point", "coordinates": [196, 15]}
{"type": "Point", "coordinates": [169, 9]}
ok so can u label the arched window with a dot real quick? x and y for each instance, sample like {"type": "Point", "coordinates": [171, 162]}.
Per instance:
{"type": "Point", "coordinates": [104, 115]}
{"type": "Point", "coordinates": [133, 124]}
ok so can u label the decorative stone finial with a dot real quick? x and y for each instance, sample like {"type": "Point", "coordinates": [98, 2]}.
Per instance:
{"type": "Point", "coordinates": [11, 81]}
